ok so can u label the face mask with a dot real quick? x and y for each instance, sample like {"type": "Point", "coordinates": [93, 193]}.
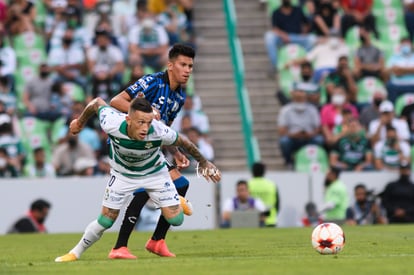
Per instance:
{"type": "Point", "coordinates": [306, 77]}
{"type": "Point", "coordinates": [338, 99]}
{"type": "Point", "coordinates": [405, 49]}
{"type": "Point", "coordinates": [377, 102]}
{"type": "Point", "coordinates": [44, 74]}
{"type": "Point", "coordinates": [67, 41]}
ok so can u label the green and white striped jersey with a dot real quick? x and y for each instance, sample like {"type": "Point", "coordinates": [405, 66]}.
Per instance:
{"type": "Point", "coordinates": [130, 157]}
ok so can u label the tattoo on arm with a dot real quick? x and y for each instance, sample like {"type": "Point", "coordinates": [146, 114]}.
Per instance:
{"type": "Point", "coordinates": [190, 148]}
{"type": "Point", "coordinates": [91, 109]}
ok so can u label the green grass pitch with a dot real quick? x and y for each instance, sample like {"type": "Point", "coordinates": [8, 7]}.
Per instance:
{"type": "Point", "coordinates": [368, 250]}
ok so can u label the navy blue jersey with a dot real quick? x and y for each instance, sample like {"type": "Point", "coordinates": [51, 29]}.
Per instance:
{"type": "Point", "coordinates": [156, 89]}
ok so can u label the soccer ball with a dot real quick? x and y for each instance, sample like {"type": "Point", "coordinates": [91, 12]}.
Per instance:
{"type": "Point", "coordinates": [328, 238]}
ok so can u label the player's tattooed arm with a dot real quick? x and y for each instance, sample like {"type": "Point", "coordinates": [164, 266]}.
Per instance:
{"type": "Point", "coordinates": [188, 146]}
{"type": "Point", "coordinates": [207, 169]}
{"type": "Point", "coordinates": [91, 109]}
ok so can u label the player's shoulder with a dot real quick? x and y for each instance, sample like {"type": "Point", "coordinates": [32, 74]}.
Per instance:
{"type": "Point", "coordinates": [109, 113]}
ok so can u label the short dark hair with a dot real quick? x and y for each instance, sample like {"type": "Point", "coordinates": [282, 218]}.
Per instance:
{"type": "Point", "coordinates": [258, 169]}
{"type": "Point", "coordinates": [140, 104]}
{"type": "Point", "coordinates": [40, 204]}
{"type": "Point", "coordinates": [360, 186]}
{"type": "Point", "coordinates": [37, 150]}
{"type": "Point", "coordinates": [306, 64]}
{"type": "Point", "coordinates": [181, 49]}
{"type": "Point", "coordinates": [241, 182]}
{"type": "Point", "coordinates": [336, 171]}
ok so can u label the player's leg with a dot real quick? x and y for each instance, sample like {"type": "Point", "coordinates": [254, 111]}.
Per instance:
{"type": "Point", "coordinates": [157, 243]}
{"type": "Point", "coordinates": [131, 217]}
{"type": "Point", "coordinates": [116, 192]}
{"type": "Point", "coordinates": [92, 234]}
{"type": "Point", "coordinates": [120, 251]}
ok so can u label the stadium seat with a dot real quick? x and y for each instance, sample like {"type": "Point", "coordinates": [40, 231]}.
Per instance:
{"type": "Point", "coordinates": [393, 33]}
{"type": "Point", "coordinates": [311, 159]}
{"type": "Point", "coordinates": [272, 5]}
{"type": "Point", "coordinates": [366, 88]}
{"type": "Point", "coordinates": [352, 38]}
{"type": "Point", "coordinates": [380, 4]}
{"type": "Point", "coordinates": [388, 16]}
{"type": "Point", "coordinates": [75, 91]}
{"type": "Point", "coordinates": [402, 101]}
{"type": "Point", "coordinates": [288, 75]}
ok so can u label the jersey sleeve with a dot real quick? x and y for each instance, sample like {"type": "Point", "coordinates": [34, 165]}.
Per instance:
{"type": "Point", "coordinates": [143, 87]}
{"type": "Point", "coordinates": [168, 135]}
{"type": "Point", "coordinates": [110, 119]}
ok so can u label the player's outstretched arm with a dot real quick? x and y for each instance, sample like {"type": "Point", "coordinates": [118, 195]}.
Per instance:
{"type": "Point", "coordinates": [92, 108]}
{"type": "Point", "coordinates": [121, 102]}
{"type": "Point", "coordinates": [208, 170]}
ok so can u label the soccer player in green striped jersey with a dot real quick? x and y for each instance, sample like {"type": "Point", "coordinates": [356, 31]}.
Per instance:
{"type": "Point", "coordinates": [136, 162]}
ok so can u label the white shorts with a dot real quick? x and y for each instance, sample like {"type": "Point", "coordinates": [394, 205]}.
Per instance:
{"type": "Point", "coordinates": [159, 187]}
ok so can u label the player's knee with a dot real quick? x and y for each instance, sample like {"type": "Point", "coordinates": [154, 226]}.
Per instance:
{"type": "Point", "coordinates": [177, 219]}
{"type": "Point", "coordinates": [105, 221]}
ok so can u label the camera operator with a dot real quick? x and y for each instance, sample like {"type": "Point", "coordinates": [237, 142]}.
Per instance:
{"type": "Point", "coordinates": [398, 197]}
{"type": "Point", "coordinates": [365, 210]}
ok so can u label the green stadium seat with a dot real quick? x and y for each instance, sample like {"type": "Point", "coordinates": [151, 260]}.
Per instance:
{"type": "Point", "coordinates": [75, 91]}
{"type": "Point", "coordinates": [288, 53]}
{"type": "Point", "coordinates": [352, 38]}
{"type": "Point", "coordinates": [388, 15]}
{"type": "Point", "coordinates": [393, 33]}
{"type": "Point", "coordinates": [402, 101]}
{"type": "Point", "coordinates": [366, 88]}
{"type": "Point", "coordinates": [286, 79]}
{"type": "Point", "coordinates": [311, 159]}
{"type": "Point", "coordinates": [380, 4]}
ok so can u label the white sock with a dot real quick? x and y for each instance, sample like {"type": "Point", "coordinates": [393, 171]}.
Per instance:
{"type": "Point", "coordinates": [93, 233]}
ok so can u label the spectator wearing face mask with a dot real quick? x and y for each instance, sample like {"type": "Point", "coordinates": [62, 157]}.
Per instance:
{"type": "Point", "coordinates": [391, 152]}
{"type": "Point", "coordinates": [305, 78]}
{"type": "Point", "coordinates": [332, 115]}
{"type": "Point", "coordinates": [66, 62]}
{"type": "Point", "coordinates": [371, 111]}
{"type": "Point", "coordinates": [66, 154]}
{"type": "Point", "coordinates": [369, 60]}
{"type": "Point", "coordinates": [324, 56]}
{"type": "Point", "coordinates": [377, 127]}
{"type": "Point", "coordinates": [37, 95]}
{"type": "Point", "coordinates": [401, 70]}
{"type": "Point", "coordinates": [106, 66]}
{"type": "Point", "coordinates": [352, 152]}
{"type": "Point", "coordinates": [298, 125]}
{"type": "Point", "coordinates": [342, 76]}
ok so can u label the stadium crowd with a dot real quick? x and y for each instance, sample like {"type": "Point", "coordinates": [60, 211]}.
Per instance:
{"type": "Point", "coordinates": [56, 55]}
{"type": "Point", "coordinates": [346, 82]}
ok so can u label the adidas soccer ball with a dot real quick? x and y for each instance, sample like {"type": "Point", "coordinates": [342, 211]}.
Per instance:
{"type": "Point", "coordinates": [328, 238]}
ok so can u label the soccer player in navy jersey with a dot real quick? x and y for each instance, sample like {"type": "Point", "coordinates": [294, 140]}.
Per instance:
{"type": "Point", "coordinates": [164, 91]}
